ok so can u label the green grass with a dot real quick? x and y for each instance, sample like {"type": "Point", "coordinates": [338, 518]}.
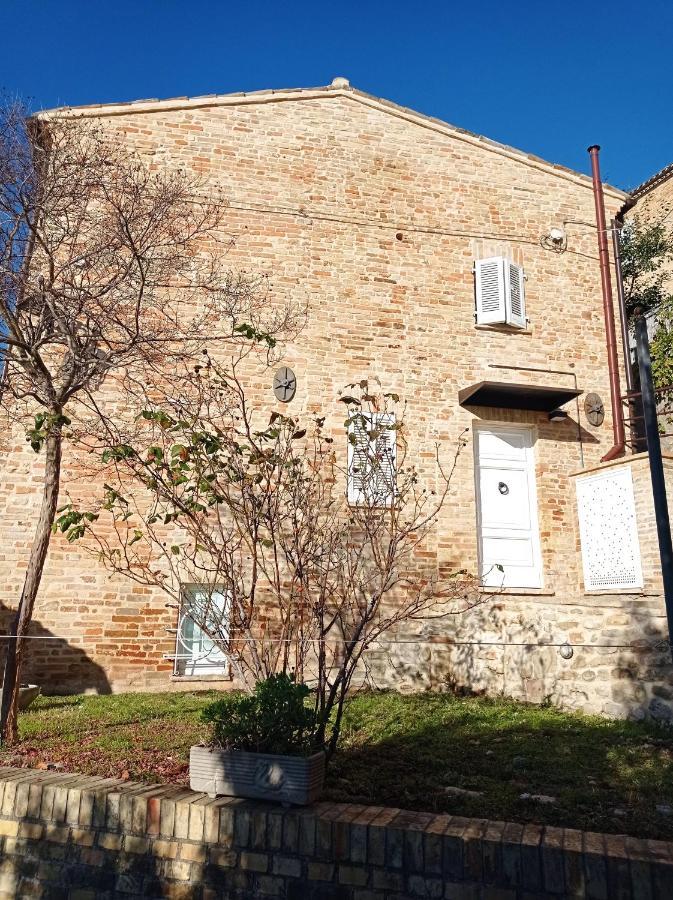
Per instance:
{"type": "Point", "coordinates": [397, 751]}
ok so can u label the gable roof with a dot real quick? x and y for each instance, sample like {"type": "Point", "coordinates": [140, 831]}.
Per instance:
{"type": "Point", "coordinates": [652, 182]}
{"type": "Point", "coordinates": [340, 87]}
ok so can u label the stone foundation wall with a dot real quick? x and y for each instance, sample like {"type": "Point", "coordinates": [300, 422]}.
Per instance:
{"type": "Point", "coordinates": [78, 838]}
{"type": "Point", "coordinates": [619, 666]}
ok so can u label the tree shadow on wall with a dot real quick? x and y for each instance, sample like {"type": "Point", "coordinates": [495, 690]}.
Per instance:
{"type": "Point", "coordinates": [642, 677]}
{"type": "Point", "coordinates": [486, 650]}
{"type": "Point", "coordinates": [56, 665]}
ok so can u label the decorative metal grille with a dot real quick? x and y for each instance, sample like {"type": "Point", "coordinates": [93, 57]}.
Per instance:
{"type": "Point", "coordinates": [609, 531]}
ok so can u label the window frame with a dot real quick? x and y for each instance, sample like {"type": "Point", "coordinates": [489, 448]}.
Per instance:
{"type": "Point", "coordinates": [356, 495]}
{"type": "Point", "coordinates": [190, 663]}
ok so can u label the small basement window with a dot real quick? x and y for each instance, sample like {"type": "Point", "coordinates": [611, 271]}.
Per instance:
{"type": "Point", "coordinates": [499, 292]}
{"type": "Point", "coordinates": [203, 629]}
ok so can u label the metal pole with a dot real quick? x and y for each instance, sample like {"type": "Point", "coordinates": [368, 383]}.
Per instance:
{"type": "Point", "coordinates": [656, 468]}
{"type": "Point", "coordinates": [628, 371]}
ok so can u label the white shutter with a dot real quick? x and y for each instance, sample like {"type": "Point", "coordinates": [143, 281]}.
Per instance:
{"type": "Point", "coordinates": [609, 531]}
{"type": "Point", "coordinates": [516, 301]}
{"type": "Point", "coordinates": [385, 457]}
{"type": "Point", "coordinates": [372, 459]}
{"type": "Point", "coordinates": [490, 291]}
{"type": "Point", "coordinates": [358, 457]}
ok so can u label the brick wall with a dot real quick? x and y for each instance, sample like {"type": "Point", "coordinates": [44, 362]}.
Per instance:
{"type": "Point", "coordinates": [374, 218]}
{"type": "Point", "coordinates": [67, 836]}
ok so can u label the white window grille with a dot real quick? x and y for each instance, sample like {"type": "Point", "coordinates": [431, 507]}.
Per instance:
{"type": "Point", "coordinates": [609, 531]}
{"type": "Point", "coordinates": [203, 629]}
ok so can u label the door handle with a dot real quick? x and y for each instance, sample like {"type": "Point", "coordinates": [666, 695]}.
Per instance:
{"type": "Point", "coordinates": [503, 488]}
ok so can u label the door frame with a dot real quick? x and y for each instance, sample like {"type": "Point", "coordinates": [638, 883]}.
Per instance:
{"type": "Point", "coordinates": [495, 427]}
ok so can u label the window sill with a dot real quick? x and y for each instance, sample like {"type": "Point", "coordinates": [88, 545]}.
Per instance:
{"type": "Point", "coordinates": [620, 592]}
{"type": "Point", "coordinates": [533, 592]}
{"type": "Point", "coordinates": [224, 677]}
{"type": "Point", "coordinates": [504, 329]}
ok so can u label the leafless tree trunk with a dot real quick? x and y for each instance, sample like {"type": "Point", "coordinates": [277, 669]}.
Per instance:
{"type": "Point", "coordinates": [31, 583]}
{"type": "Point", "coordinates": [111, 285]}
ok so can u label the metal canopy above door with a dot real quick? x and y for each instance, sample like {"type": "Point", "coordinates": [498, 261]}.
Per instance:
{"type": "Point", "coordinates": [516, 396]}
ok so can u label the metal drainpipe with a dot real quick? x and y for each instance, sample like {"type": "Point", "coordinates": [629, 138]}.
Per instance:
{"type": "Point", "coordinates": [608, 311]}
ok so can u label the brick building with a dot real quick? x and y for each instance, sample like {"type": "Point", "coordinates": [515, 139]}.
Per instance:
{"type": "Point", "coordinates": [424, 254]}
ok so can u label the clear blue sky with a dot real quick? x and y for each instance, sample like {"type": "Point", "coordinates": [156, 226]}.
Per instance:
{"type": "Point", "coordinates": [547, 76]}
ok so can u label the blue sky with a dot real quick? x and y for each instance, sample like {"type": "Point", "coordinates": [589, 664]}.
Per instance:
{"type": "Point", "coordinates": [548, 77]}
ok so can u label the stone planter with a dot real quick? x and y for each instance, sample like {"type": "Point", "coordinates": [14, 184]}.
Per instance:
{"type": "Point", "coordinates": [27, 693]}
{"type": "Point", "coordinates": [260, 776]}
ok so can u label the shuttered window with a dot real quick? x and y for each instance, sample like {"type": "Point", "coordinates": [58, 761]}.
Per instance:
{"type": "Point", "coordinates": [372, 449]}
{"type": "Point", "coordinates": [499, 292]}
{"type": "Point", "coordinates": [609, 531]}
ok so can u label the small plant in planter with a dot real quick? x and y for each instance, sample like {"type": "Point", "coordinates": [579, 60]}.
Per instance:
{"type": "Point", "coordinates": [263, 745]}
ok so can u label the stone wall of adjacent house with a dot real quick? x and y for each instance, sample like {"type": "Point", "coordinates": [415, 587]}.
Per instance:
{"type": "Point", "coordinates": [374, 219]}
{"type": "Point", "coordinates": [74, 838]}
{"type": "Point", "coordinates": [655, 206]}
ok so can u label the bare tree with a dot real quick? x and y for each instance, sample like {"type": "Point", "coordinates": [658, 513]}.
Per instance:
{"type": "Point", "coordinates": [296, 576]}
{"type": "Point", "coordinates": [109, 280]}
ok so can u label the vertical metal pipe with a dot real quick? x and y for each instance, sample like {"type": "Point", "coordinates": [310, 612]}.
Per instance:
{"type": "Point", "coordinates": [656, 468]}
{"type": "Point", "coordinates": [608, 309]}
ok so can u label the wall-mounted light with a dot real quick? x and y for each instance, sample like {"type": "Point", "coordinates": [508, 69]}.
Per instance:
{"type": "Point", "coordinates": [557, 415]}
{"type": "Point", "coordinates": [566, 651]}
{"type": "Point", "coordinates": [555, 239]}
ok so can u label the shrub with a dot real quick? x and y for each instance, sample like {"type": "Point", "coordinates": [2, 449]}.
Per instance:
{"type": "Point", "coordinates": [273, 719]}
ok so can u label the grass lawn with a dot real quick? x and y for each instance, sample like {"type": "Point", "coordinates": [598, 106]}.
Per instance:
{"type": "Point", "coordinates": [398, 751]}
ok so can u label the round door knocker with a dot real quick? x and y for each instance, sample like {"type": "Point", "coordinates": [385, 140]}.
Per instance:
{"type": "Point", "coordinates": [284, 384]}
{"type": "Point", "coordinates": [502, 487]}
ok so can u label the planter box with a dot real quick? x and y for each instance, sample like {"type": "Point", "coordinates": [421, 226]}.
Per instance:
{"type": "Point", "coordinates": [261, 776]}
{"type": "Point", "coordinates": [27, 693]}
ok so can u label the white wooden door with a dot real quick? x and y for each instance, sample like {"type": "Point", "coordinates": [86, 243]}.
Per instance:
{"type": "Point", "coordinates": [509, 538]}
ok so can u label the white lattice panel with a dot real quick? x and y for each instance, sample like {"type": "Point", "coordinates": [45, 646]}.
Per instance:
{"type": "Point", "coordinates": [609, 531]}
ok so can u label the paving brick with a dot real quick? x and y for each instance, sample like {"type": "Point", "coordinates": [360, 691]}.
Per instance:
{"type": "Point", "coordinates": [289, 866]}
{"type": "Point", "coordinates": [193, 852]}
{"type": "Point", "coordinates": [531, 862]}
{"type": "Point", "coordinates": [553, 866]}
{"type": "Point", "coordinates": [255, 862]}
{"type": "Point", "coordinates": [223, 857]}
{"type": "Point", "coordinates": [595, 869]}
{"type": "Point", "coordinates": [320, 871]}
{"type": "Point", "coordinates": [353, 875]}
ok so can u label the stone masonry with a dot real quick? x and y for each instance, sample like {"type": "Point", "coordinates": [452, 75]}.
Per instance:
{"type": "Point", "coordinates": [69, 837]}
{"type": "Point", "coordinates": [373, 215]}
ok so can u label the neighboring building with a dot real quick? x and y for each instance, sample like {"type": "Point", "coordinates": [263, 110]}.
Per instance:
{"type": "Point", "coordinates": [652, 203]}
{"type": "Point", "coordinates": [653, 199]}
{"type": "Point", "coordinates": [391, 225]}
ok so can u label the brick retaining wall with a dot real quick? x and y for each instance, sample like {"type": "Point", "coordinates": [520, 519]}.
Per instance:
{"type": "Point", "coordinates": [82, 838]}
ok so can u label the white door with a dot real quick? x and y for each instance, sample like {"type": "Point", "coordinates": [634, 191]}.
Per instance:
{"type": "Point", "coordinates": [509, 538]}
